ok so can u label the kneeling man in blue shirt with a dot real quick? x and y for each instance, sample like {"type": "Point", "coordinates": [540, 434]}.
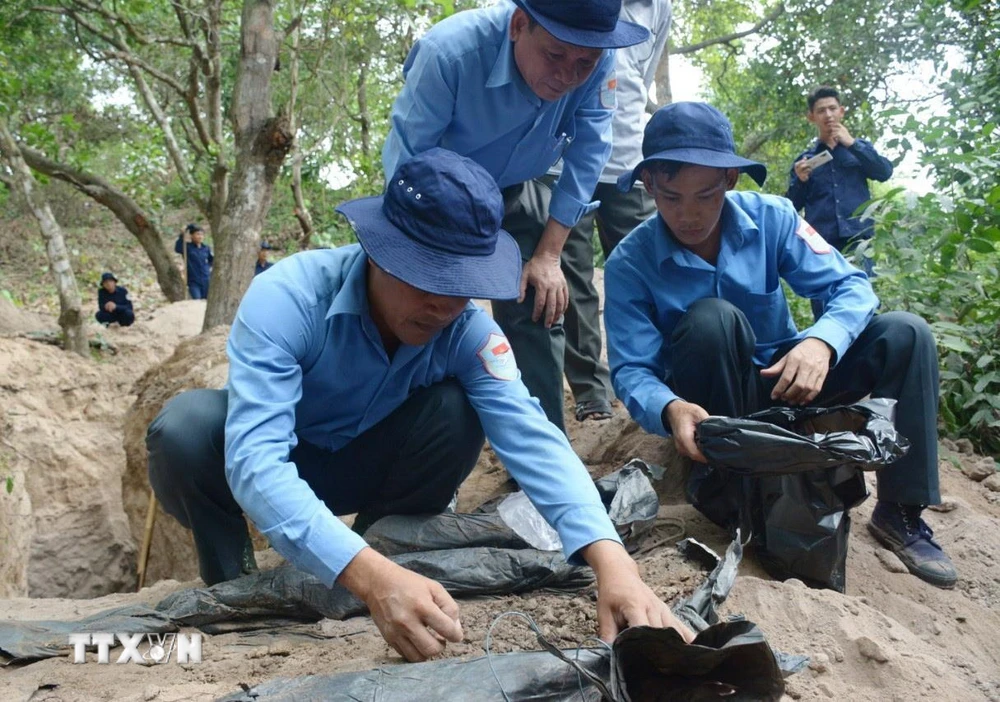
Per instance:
{"type": "Point", "coordinates": [363, 380]}
{"type": "Point", "coordinates": [698, 323]}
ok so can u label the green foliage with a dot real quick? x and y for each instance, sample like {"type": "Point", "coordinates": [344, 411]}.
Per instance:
{"type": "Point", "coordinates": [9, 484]}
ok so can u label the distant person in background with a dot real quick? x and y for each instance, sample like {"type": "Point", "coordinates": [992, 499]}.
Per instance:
{"type": "Point", "coordinates": [113, 303]}
{"type": "Point", "coordinates": [262, 263]}
{"type": "Point", "coordinates": [830, 193]}
{"type": "Point", "coordinates": [198, 259]}
{"type": "Point", "coordinates": [618, 214]}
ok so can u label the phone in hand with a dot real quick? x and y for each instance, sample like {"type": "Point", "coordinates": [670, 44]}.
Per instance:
{"type": "Point", "coordinates": [819, 159]}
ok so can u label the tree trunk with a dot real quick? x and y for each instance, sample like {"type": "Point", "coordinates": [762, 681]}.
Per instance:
{"type": "Point", "coordinates": [261, 143]}
{"type": "Point", "coordinates": [70, 312]}
{"type": "Point", "coordinates": [301, 209]}
{"type": "Point", "coordinates": [127, 212]}
{"type": "Point", "coordinates": [664, 94]}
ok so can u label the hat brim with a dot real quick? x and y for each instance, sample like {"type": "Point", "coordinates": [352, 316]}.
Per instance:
{"type": "Point", "coordinates": [697, 157]}
{"type": "Point", "coordinates": [624, 34]}
{"type": "Point", "coordinates": [496, 276]}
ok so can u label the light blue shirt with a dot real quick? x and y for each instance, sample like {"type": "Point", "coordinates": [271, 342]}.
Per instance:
{"type": "Point", "coordinates": [306, 360]}
{"type": "Point", "coordinates": [463, 92]}
{"type": "Point", "coordinates": [651, 280]}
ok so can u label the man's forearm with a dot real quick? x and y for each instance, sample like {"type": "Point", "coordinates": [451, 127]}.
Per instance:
{"type": "Point", "coordinates": [607, 556]}
{"type": "Point", "coordinates": [553, 239]}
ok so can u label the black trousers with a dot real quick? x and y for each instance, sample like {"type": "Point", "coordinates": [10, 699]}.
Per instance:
{"type": "Point", "coordinates": [411, 462]}
{"type": "Point", "coordinates": [124, 317]}
{"type": "Point", "coordinates": [895, 357]}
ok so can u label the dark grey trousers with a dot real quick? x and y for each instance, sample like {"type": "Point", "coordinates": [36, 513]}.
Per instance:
{"type": "Point", "coordinates": [618, 215]}
{"type": "Point", "coordinates": [573, 344]}
{"type": "Point", "coordinates": [411, 462]}
{"type": "Point", "coordinates": [895, 356]}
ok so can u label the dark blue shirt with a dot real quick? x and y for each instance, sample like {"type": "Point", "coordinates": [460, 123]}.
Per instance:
{"type": "Point", "coordinates": [261, 267]}
{"type": "Point", "coordinates": [119, 297]}
{"type": "Point", "coordinates": [837, 188]}
{"type": "Point", "coordinates": [199, 260]}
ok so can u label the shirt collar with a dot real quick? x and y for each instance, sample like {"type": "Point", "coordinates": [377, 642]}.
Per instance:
{"type": "Point", "coordinates": [505, 71]}
{"type": "Point", "coordinates": [353, 295]}
{"type": "Point", "coordinates": [737, 227]}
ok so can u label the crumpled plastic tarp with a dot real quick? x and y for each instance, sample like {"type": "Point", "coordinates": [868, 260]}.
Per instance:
{"type": "Point", "coordinates": [21, 642]}
{"type": "Point", "coordinates": [789, 477]}
{"type": "Point", "coordinates": [469, 554]}
{"type": "Point", "coordinates": [513, 522]}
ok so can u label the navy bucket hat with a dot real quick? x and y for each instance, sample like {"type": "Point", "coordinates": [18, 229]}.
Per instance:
{"type": "Point", "coordinates": [108, 275]}
{"type": "Point", "coordinates": [591, 23]}
{"type": "Point", "coordinates": [695, 133]}
{"type": "Point", "coordinates": [437, 228]}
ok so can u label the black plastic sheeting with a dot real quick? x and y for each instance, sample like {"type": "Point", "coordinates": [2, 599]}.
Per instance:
{"type": "Point", "coordinates": [728, 661]}
{"type": "Point", "coordinates": [469, 554]}
{"type": "Point", "coordinates": [785, 440]}
{"type": "Point", "coordinates": [627, 494]}
{"type": "Point", "coordinates": [22, 642]}
{"type": "Point", "coordinates": [790, 476]}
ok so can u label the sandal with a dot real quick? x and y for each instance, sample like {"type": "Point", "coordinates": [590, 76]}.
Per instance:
{"type": "Point", "coordinates": [597, 410]}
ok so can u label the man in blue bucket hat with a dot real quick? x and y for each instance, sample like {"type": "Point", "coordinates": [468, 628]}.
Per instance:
{"type": "Point", "coordinates": [516, 87]}
{"type": "Point", "coordinates": [362, 380]}
{"type": "Point", "coordinates": [698, 323]}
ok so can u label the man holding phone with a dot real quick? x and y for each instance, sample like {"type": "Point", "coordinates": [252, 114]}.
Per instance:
{"type": "Point", "coordinates": [831, 191]}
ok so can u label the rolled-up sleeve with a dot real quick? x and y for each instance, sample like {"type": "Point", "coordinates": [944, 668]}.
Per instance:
{"type": "Point", "coordinates": [265, 384]}
{"type": "Point", "coordinates": [586, 157]}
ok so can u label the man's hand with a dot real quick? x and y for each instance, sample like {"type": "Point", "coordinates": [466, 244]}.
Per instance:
{"type": "Point", "coordinates": [109, 306]}
{"type": "Point", "coordinates": [802, 170]}
{"type": "Point", "coordinates": [682, 418]}
{"type": "Point", "coordinates": [415, 615]}
{"type": "Point", "coordinates": [841, 135]}
{"type": "Point", "coordinates": [803, 371]}
{"type": "Point", "coordinates": [545, 275]}
{"type": "Point", "coordinates": [623, 599]}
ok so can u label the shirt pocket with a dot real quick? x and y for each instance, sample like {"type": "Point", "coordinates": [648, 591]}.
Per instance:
{"type": "Point", "coordinates": [534, 156]}
{"type": "Point", "coordinates": [769, 316]}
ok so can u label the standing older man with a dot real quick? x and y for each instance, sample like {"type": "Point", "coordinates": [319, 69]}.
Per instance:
{"type": "Point", "coordinates": [515, 88]}
{"type": "Point", "coordinates": [363, 380]}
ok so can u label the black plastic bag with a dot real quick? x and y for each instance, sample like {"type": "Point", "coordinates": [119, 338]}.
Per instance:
{"type": "Point", "coordinates": [789, 476]}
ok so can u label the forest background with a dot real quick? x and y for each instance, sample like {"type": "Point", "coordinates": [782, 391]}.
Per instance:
{"type": "Point", "coordinates": [256, 117]}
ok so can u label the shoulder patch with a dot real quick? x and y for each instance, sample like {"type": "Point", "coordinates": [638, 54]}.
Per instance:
{"type": "Point", "coordinates": [608, 89]}
{"type": "Point", "coordinates": [812, 237]}
{"type": "Point", "coordinates": [498, 358]}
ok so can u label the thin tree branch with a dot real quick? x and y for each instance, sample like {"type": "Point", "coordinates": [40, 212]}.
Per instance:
{"type": "Point", "coordinates": [775, 12]}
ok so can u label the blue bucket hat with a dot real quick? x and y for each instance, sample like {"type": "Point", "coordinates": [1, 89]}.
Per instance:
{"type": "Point", "coordinates": [437, 228]}
{"type": "Point", "coordinates": [695, 133]}
{"type": "Point", "coordinates": [107, 275]}
{"type": "Point", "coordinates": [592, 23]}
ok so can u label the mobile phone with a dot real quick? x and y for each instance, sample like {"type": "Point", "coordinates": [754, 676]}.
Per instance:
{"type": "Point", "coordinates": [819, 159]}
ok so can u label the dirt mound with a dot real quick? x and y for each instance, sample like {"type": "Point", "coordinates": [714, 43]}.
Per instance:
{"type": "Point", "coordinates": [14, 320]}
{"type": "Point", "coordinates": [62, 528]}
{"type": "Point", "coordinates": [199, 362]}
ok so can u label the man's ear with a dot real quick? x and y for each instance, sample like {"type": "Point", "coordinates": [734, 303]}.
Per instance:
{"type": "Point", "coordinates": [811, 117]}
{"type": "Point", "coordinates": [647, 180]}
{"type": "Point", "coordinates": [732, 175]}
{"type": "Point", "coordinates": [518, 24]}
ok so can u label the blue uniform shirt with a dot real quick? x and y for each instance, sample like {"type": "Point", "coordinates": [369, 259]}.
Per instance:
{"type": "Point", "coordinates": [305, 360]}
{"type": "Point", "coordinates": [650, 281]}
{"type": "Point", "coordinates": [199, 261]}
{"type": "Point", "coordinates": [463, 92]}
{"type": "Point", "coordinates": [259, 267]}
{"type": "Point", "coordinates": [837, 188]}
{"type": "Point", "coordinates": [119, 297]}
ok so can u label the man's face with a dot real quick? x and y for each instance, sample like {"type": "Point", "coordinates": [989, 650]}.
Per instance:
{"type": "Point", "coordinates": [109, 285]}
{"type": "Point", "coordinates": [262, 256]}
{"type": "Point", "coordinates": [691, 202]}
{"type": "Point", "coordinates": [550, 67]}
{"type": "Point", "coordinates": [411, 316]}
{"type": "Point", "coordinates": [197, 237]}
{"type": "Point", "coordinates": [825, 113]}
